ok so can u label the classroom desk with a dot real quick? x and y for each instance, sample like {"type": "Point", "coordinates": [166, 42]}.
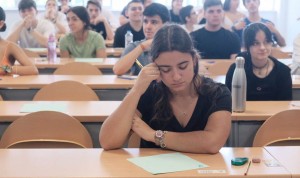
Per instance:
{"type": "Point", "coordinates": [114, 163]}
{"type": "Point", "coordinates": [288, 156]}
{"type": "Point", "coordinates": [107, 87]}
{"type": "Point", "coordinates": [90, 113]}
{"type": "Point", "coordinates": [116, 52]}
{"type": "Point", "coordinates": [93, 113]}
{"type": "Point", "coordinates": [46, 67]}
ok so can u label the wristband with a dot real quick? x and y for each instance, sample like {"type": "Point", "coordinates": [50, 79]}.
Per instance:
{"type": "Point", "coordinates": [160, 138]}
{"type": "Point", "coordinates": [7, 69]}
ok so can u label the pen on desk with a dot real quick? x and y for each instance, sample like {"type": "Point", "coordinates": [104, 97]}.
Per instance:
{"type": "Point", "coordinates": [138, 63]}
{"type": "Point", "coordinates": [248, 168]}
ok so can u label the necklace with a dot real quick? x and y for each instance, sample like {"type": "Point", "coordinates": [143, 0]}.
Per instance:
{"type": "Point", "coordinates": [260, 69]}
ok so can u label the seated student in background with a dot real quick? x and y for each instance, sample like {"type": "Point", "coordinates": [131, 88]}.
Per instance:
{"type": "Point", "coordinates": [232, 15]}
{"type": "Point", "coordinates": [134, 12]}
{"type": "Point", "coordinates": [31, 32]}
{"type": "Point", "coordinates": [170, 105]}
{"type": "Point", "coordinates": [10, 53]}
{"type": "Point", "coordinates": [213, 41]}
{"type": "Point", "coordinates": [110, 17]}
{"type": "Point", "coordinates": [98, 22]}
{"type": "Point", "coordinates": [174, 11]}
{"type": "Point", "coordinates": [155, 15]}
{"type": "Point", "coordinates": [189, 19]}
{"type": "Point", "coordinates": [81, 42]}
{"type": "Point", "coordinates": [123, 19]}
{"type": "Point", "coordinates": [267, 78]}
{"type": "Point", "coordinates": [56, 17]}
{"type": "Point", "coordinates": [64, 7]}
{"type": "Point", "coordinates": [296, 56]}
{"type": "Point", "coordinates": [252, 6]}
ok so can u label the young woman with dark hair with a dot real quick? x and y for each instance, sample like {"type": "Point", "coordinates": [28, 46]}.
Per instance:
{"type": "Point", "coordinates": [171, 106]}
{"type": "Point", "coordinates": [81, 42]}
{"type": "Point", "coordinates": [267, 78]}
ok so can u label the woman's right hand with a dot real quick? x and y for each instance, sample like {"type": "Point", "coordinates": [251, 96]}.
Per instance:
{"type": "Point", "coordinates": [148, 73]}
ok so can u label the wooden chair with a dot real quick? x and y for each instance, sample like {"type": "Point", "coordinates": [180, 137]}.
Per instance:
{"type": "Point", "coordinates": [46, 129]}
{"type": "Point", "coordinates": [219, 67]}
{"type": "Point", "coordinates": [282, 128]}
{"type": "Point", "coordinates": [31, 53]}
{"type": "Point", "coordinates": [66, 91]}
{"type": "Point", "coordinates": [134, 141]}
{"type": "Point", "coordinates": [77, 68]}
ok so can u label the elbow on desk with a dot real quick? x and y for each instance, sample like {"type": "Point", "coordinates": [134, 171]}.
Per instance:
{"type": "Point", "coordinates": [118, 71]}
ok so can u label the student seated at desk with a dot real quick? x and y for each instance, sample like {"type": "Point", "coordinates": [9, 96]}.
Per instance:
{"type": "Point", "coordinates": [155, 15]}
{"type": "Point", "coordinates": [267, 78]}
{"type": "Point", "coordinates": [10, 53]}
{"type": "Point", "coordinates": [170, 105]}
{"type": "Point", "coordinates": [31, 32]}
{"type": "Point", "coordinates": [56, 17]}
{"type": "Point", "coordinates": [81, 42]}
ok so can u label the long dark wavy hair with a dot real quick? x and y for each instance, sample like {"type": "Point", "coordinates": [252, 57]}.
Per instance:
{"type": "Point", "coordinates": [172, 37]}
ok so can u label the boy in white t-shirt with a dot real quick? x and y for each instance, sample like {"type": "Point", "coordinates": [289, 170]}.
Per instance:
{"type": "Point", "coordinates": [31, 32]}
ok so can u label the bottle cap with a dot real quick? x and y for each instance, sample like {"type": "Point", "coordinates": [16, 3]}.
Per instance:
{"type": "Point", "coordinates": [239, 61]}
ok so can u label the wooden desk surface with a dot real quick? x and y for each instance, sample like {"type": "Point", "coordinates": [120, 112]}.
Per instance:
{"type": "Point", "coordinates": [98, 111]}
{"type": "Point", "coordinates": [99, 163]}
{"type": "Point", "coordinates": [84, 111]}
{"type": "Point", "coordinates": [109, 51]}
{"type": "Point", "coordinates": [288, 156]}
{"type": "Point", "coordinates": [101, 63]}
{"type": "Point", "coordinates": [262, 110]}
{"type": "Point", "coordinates": [93, 81]}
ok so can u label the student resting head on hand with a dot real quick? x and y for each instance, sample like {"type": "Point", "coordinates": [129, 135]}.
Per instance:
{"type": "Point", "coordinates": [10, 53]}
{"type": "Point", "coordinates": [170, 105]}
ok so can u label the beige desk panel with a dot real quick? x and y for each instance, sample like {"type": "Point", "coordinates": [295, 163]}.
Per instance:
{"type": "Point", "coordinates": [93, 81]}
{"type": "Point", "coordinates": [104, 63]}
{"type": "Point", "coordinates": [84, 111]}
{"type": "Point", "coordinates": [99, 163]}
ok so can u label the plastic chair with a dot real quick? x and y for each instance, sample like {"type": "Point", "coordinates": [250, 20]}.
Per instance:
{"type": "Point", "coordinates": [280, 129]}
{"type": "Point", "coordinates": [219, 67]}
{"type": "Point", "coordinates": [31, 53]}
{"type": "Point", "coordinates": [46, 129]}
{"type": "Point", "coordinates": [77, 68]}
{"type": "Point", "coordinates": [66, 91]}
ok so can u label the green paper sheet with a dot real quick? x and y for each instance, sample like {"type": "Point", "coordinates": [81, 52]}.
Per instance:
{"type": "Point", "coordinates": [35, 107]}
{"type": "Point", "coordinates": [166, 163]}
{"type": "Point", "coordinates": [88, 59]}
{"type": "Point", "coordinates": [37, 49]}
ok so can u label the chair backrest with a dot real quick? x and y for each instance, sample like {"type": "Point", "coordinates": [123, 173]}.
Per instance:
{"type": "Point", "coordinates": [66, 91]}
{"type": "Point", "coordinates": [219, 67]}
{"type": "Point", "coordinates": [31, 53]}
{"type": "Point", "coordinates": [134, 141]}
{"type": "Point", "coordinates": [46, 129]}
{"type": "Point", "coordinates": [282, 127]}
{"type": "Point", "coordinates": [77, 68]}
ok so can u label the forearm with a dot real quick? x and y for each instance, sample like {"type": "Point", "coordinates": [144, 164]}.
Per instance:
{"type": "Point", "coordinates": [42, 40]}
{"type": "Point", "coordinates": [114, 131]}
{"type": "Point", "coordinates": [61, 28]}
{"type": "Point", "coordinates": [280, 39]}
{"type": "Point", "coordinates": [15, 35]}
{"type": "Point", "coordinates": [126, 62]}
{"type": "Point", "coordinates": [109, 31]}
{"type": "Point", "coordinates": [24, 70]}
{"type": "Point", "coordinates": [101, 53]}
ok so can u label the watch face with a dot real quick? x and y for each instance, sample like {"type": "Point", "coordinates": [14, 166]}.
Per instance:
{"type": "Point", "coordinates": [159, 133]}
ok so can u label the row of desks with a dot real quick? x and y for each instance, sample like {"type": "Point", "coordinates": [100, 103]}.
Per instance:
{"type": "Point", "coordinates": [93, 113]}
{"type": "Point", "coordinates": [108, 87]}
{"type": "Point", "coordinates": [114, 163]}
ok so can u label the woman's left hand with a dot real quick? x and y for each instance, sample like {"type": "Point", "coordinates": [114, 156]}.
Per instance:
{"type": "Point", "coordinates": [142, 129]}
